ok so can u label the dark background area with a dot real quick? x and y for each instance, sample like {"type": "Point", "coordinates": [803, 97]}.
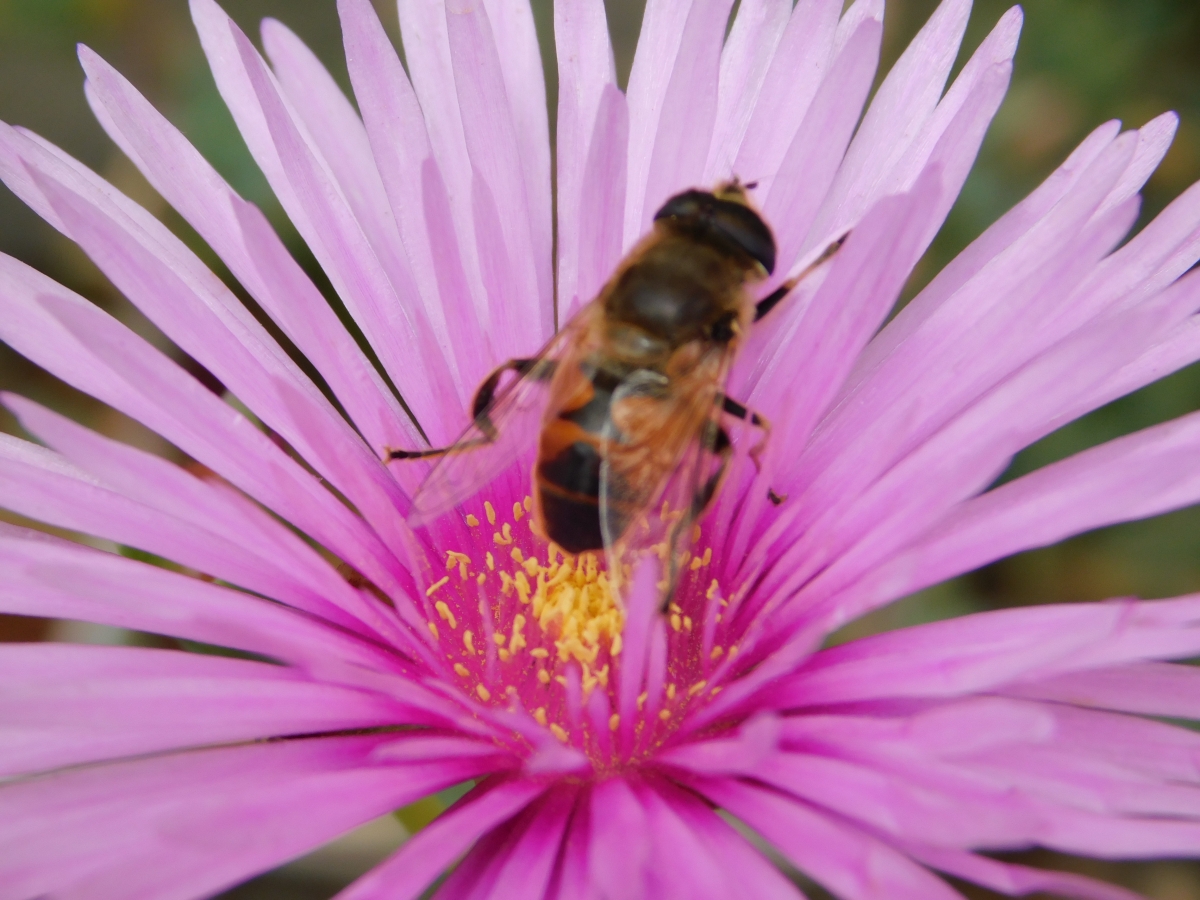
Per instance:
{"type": "Point", "coordinates": [1080, 63]}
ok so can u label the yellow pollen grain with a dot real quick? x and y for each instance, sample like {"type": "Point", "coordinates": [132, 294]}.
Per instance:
{"type": "Point", "coordinates": [733, 651]}
{"type": "Point", "coordinates": [484, 694]}
{"type": "Point", "coordinates": [471, 520]}
{"type": "Point", "coordinates": [527, 503]}
{"type": "Point", "coordinates": [490, 511]}
{"type": "Point", "coordinates": [614, 722]}
{"type": "Point", "coordinates": [558, 732]}
{"type": "Point", "coordinates": [469, 642]}
{"type": "Point", "coordinates": [676, 622]}
{"type": "Point", "coordinates": [697, 688]}
{"type": "Point", "coordinates": [602, 676]}
{"type": "Point", "coordinates": [518, 512]}
{"type": "Point", "coordinates": [671, 691]}
{"type": "Point", "coordinates": [454, 558]}
{"type": "Point", "coordinates": [480, 578]}
{"type": "Point", "coordinates": [664, 714]}
{"type": "Point", "coordinates": [712, 589]}
{"type": "Point", "coordinates": [433, 588]}
{"type": "Point", "coordinates": [641, 701]}
{"type": "Point", "coordinates": [695, 533]}
{"type": "Point", "coordinates": [717, 652]}
{"type": "Point", "coordinates": [543, 676]}
{"type": "Point", "coordinates": [539, 715]}
{"type": "Point", "coordinates": [539, 652]}
{"type": "Point", "coordinates": [500, 639]}
{"type": "Point", "coordinates": [687, 623]}
{"type": "Point", "coordinates": [443, 610]}
{"type": "Point", "coordinates": [517, 555]}
{"type": "Point", "coordinates": [433, 630]}
{"type": "Point", "coordinates": [462, 670]}
{"type": "Point", "coordinates": [561, 679]}
{"type": "Point", "coordinates": [491, 561]}
{"type": "Point", "coordinates": [675, 608]}
{"type": "Point", "coordinates": [615, 649]}
{"type": "Point", "coordinates": [505, 656]}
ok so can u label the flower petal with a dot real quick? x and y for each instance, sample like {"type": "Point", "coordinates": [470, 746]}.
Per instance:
{"type": "Point", "coordinates": [63, 705]}
{"type": "Point", "coordinates": [602, 196]}
{"type": "Point", "coordinates": [1148, 689]}
{"type": "Point", "coordinates": [407, 873]}
{"type": "Point", "coordinates": [205, 819]}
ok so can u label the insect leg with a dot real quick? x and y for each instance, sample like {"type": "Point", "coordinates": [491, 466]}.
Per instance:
{"type": "Point", "coordinates": [718, 438]}
{"type": "Point", "coordinates": [484, 396]}
{"type": "Point", "coordinates": [769, 302]}
{"type": "Point", "coordinates": [739, 411]}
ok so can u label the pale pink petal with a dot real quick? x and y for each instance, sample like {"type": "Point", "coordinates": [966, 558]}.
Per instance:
{"type": "Point", "coordinates": [41, 485]}
{"type": "Point", "coordinates": [898, 113]}
{"type": "Point", "coordinates": [157, 272]}
{"type": "Point", "coordinates": [1148, 689]}
{"type": "Point", "coordinates": [522, 294]}
{"type": "Point", "coordinates": [745, 60]}
{"type": "Point", "coordinates": [64, 705]}
{"type": "Point", "coordinates": [204, 820]}
{"type": "Point", "coordinates": [619, 841]}
{"type": "Point", "coordinates": [1133, 477]}
{"type": "Point", "coordinates": [255, 255]}
{"type": "Point", "coordinates": [87, 348]}
{"type": "Point", "coordinates": [402, 150]}
{"type": "Point", "coordinates": [797, 70]}
{"type": "Point", "coordinates": [689, 108]}
{"type": "Point", "coordinates": [848, 862]}
{"type": "Point", "coordinates": [49, 577]}
{"type": "Point", "coordinates": [425, 855]}
{"type": "Point", "coordinates": [1015, 880]}
{"type": "Point", "coordinates": [586, 74]}
{"type": "Point", "coordinates": [602, 194]}
{"type": "Point", "coordinates": [205, 506]}
{"type": "Point", "coordinates": [389, 314]}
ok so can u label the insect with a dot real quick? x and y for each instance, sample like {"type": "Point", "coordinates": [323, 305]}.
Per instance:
{"type": "Point", "coordinates": [626, 401]}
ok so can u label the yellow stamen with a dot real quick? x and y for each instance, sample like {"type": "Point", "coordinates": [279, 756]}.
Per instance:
{"type": "Point", "coordinates": [539, 714]}
{"type": "Point", "coordinates": [558, 732]}
{"type": "Point", "coordinates": [504, 655]}
{"type": "Point", "coordinates": [499, 639]}
{"type": "Point", "coordinates": [471, 520]}
{"type": "Point", "coordinates": [539, 652]}
{"type": "Point", "coordinates": [433, 630]}
{"type": "Point", "coordinates": [490, 511]}
{"type": "Point", "coordinates": [543, 676]}
{"type": "Point", "coordinates": [716, 652]}
{"type": "Point", "coordinates": [671, 691]}
{"type": "Point", "coordinates": [443, 610]}
{"type": "Point", "coordinates": [528, 503]}
{"type": "Point", "coordinates": [491, 561]}
{"type": "Point", "coordinates": [469, 642]}
{"type": "Point", "coordinates": [697, 688]}
{"type": "Point", "coordinates": [518, 512]}
{"type": "Point", "coordinates": [432, 589]}
{"type": "Point", "coordinates": [484, 694]}
{"type": "Point", "coordinates": [676, 622]}
{"type": "Point", "coordinates": [462, 670]}
{"type": "Point", "coordinates": [664, 714]}
{"type": "Point", "coordinates": [614, 722]}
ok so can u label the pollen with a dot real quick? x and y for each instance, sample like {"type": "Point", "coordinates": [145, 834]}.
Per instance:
{"type": "Point", "coordinates": [558, 732]}
{"type": "Point", "coordinates": [472, 520]}
{"type": "Point", "coordinates": [462, 670]}
{"type": "Point", "coordinates": [490, 511]}
{"type": "Point", "coordinates": [484, 694]}
{"type": "Point", "coordinates": [518, 512]}
{"type": "Point", "coordinates": [614, 722]}
{"type": "Point", "coordinates": [443, 610]}
{"type": "Point", "coordinates": [433, 588]}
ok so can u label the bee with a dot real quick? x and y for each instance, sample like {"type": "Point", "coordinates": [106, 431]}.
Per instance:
{"type": "Point", "coordinates": [626, 401]}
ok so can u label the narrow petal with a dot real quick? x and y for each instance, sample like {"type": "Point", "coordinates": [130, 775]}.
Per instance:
{"type": "Point", "coordinates": [92, 351]}
{"type": "Point", "coordinates": [205, 820]}
{"type": "Point", "coordinates": [1149, 689]}
{"type": "Point", "coordinates": [401, 147]}
{"type": "Point", "coordinates": [602, 194]}
{"type": "Point", "coordinates": [63, 705]}
{"type": "Point", "coordinates": [389, 314]}
{"type": "Point", "coordinates": [689, 108]}
{"type": "Point", "coordinates": [525, 296]}
{"type": "Point", "coordinates": [40, 484]}
{"type": "Point", "coordinates": [745, 60]}
{"type": "Point", "coordinates": [846, 861]}
{"type": "Point", "coordinates": [586, 74]}
{"type": "Point", "coordinates": [434, 848]}
{"type": "Point", "coordinates": [619, 846]}
{"type": "Point", "coordinates": [250, 248]}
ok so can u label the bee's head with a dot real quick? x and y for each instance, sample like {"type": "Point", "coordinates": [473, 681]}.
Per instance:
{"type": "Point", "coordinates": [723, 216]}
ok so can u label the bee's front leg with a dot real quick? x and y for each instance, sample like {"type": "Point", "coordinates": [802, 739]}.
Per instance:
{"type": "Point", "coordinates": [738, 411]}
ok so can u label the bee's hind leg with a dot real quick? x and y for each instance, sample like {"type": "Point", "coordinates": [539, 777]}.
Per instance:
{"type": "Point", "coordinates": [739, 411]}
{"type": "Point", "coordinates": [769, 302]}
{"type": "Point", "coordinates": [484, 396]}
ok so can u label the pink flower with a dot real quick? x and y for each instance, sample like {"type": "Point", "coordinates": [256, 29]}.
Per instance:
{"type": "Point", "coordinates": [389, 663]}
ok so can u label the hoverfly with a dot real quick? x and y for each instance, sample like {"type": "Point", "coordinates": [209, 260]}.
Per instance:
{"type": "Point", "coordinates": [625, 402]}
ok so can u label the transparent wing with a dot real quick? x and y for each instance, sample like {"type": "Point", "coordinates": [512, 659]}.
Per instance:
{"type": "Point", "coordinates": [661, 455]}
{"type": "Point", "coordinates": [505, 431]}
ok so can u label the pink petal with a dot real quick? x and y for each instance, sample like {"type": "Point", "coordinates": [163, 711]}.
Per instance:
{"type": "Point", "coordinates": [40, 484]}
{"type": "Point", "coordinates": [407, 873]}
{"type": "Point", "coordinates": [199, 821]}
{"type": "Point", "coordinates": [87, 348]}
{"type": "Point", "coordinates": [586, 74]}
{"type": "Point", "coordinates": [745, 60]}
{"type": "Point", "coordinates": [524, 295]}
{"type": "Point", "coordinates": [896, 117]}
{"type": "Point", "coordinates": [401, 147]}
{"type": "Point", "coordinates": [388, 313]}
{"type": "Point", "coordinates": [63, 705]}
{"type": "Point", "coordinates": [50, 577]}
{"type": "Point", "coordinates": [205, 506]}
{"type": "Point", "coordinates": [846, 861]}
{"type": "Point", "coordinates": [797, 69]}
{"type": "Point", "coordinates": [658, 45]}
{"type": "Point", "coordinates": [602, 194]}
{"type": "Point", "coordinates": [620, 842]}
{"type": "Point", "coordinates": [1149, 689]}
{"type": "Point", "coordinates": [688, 113]}
{"type": "Point", "coordinates": [255, 255]}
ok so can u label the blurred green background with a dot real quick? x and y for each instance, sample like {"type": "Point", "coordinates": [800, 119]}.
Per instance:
{"type": "Point", "coordinates": [1080, 63]}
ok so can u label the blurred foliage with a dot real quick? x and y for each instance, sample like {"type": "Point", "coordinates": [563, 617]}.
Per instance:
{"type": "Point", "coordinates": [1080, 63]}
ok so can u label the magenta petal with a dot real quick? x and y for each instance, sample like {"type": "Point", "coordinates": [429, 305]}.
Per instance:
{"type": "Point", "coordinates": [848, 862]}
{"type": "Point", "coordinates": [1149, 689]}
{"type": "Point", "coordinates": [619, 844]}
{"type": "Point", "coordinates": [64, 705]}
{"type": "Point", "coordinates": [418, 862]}
{"type": "Point", "coordinates": [602, 191]}
{"type": "Point", "coordinates": [203, 820]}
